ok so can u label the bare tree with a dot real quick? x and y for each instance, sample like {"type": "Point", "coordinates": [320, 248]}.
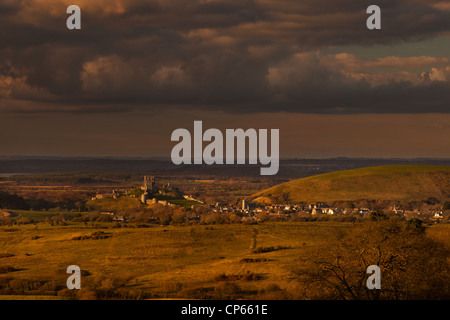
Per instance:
{"type": "Point", "coordinates": [412, 265]}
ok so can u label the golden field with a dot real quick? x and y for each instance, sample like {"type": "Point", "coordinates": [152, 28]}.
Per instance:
{"type": "Point", "coordinates": [167, 261]}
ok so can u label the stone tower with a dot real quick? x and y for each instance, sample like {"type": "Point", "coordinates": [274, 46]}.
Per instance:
{"type": "Point", "coordinates": [149, 184]}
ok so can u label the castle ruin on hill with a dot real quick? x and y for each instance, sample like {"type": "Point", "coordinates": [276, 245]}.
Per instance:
{"type": "Point", "coordinates": [149, 188]}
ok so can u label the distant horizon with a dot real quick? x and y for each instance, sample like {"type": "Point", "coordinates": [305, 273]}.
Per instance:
{"type": "Point", "coordinates": [42, 157]}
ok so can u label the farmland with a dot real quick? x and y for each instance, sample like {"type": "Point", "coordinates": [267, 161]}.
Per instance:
{"type": "Point", "coordinates": [194, 261]}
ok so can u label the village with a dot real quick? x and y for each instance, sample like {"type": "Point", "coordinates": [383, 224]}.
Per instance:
{"type": "Point", "coordinates": [252, 212]}
{"type": "Point", "coordinates": [168, 196]}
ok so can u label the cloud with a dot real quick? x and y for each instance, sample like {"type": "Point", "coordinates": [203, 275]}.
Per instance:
{"type": "Point", "coordinates": [226, 55]}
{"type": "Point", "coordinates": [437, 74]}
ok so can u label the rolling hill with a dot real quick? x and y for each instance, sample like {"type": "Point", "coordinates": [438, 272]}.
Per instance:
{"type": "Point", "coordinates": [394, 182]}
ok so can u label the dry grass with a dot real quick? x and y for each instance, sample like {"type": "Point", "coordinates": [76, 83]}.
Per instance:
{"type": "Point", "coordinates": [170, 261]}
{"type": "Point", "coordinates": [396, 182]}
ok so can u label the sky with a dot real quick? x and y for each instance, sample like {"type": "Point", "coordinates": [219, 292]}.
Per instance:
{"type": "Point", "coordinates": [139, 69]}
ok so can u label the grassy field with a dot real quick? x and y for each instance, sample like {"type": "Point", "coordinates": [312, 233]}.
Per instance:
{"type": "Point", "coordinates": [169, 261]}
{"type": "Point", "coordinates": [30, 297]}
{"type": "Point", "coordinates": [396, 182]}
{"type": "Point", "coordinates": [38, 215]}
{"type": "Point", "coordinates": [158, 258]}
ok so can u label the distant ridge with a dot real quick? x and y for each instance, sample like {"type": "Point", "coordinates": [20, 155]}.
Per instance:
{"type": "Point", "coordinates": [392, 182]}
{"type": "Point", "coordinates": [289, 168]}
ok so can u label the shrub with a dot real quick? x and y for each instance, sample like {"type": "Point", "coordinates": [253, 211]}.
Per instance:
{"type": "Point", "coordinates": [446, 206]}
{"type": "Point", "coordinates": [250, 260]}
{"type": "Point", "coordinates": [143, 225]}
{"type": "Point", "coordinates": [416, 224]}
{"type": "Point", "coordinates": [7, 269]}
{"type": "Point", "coordinates": [272, 288]}
{"type": "Point", "coordinates": [227, 290]}
{"type": "Point", "coordinates": [94, 236]}
{"type": "Point", "coordinates": [378, 216]}
{"type": "Point", "coordinates": [170, 287]}
{"type": "Point", "coordinates": [20, 286]}
{"type": "Point", "coordinates": [272, 292]}
{"type": "Point", "coordinates": [248, 276]}
{"type": "Point", "coordinates": [269, 249]}
{"type": "Point", "coordinates": [196, 293]}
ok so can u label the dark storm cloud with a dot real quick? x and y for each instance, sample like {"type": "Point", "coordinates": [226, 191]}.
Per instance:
{"type": "Point", "coordinates": [233, 55]}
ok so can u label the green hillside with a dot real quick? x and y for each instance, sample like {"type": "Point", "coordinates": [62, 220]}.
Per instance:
{"type": "Point", "coordinates": [397, 182]}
